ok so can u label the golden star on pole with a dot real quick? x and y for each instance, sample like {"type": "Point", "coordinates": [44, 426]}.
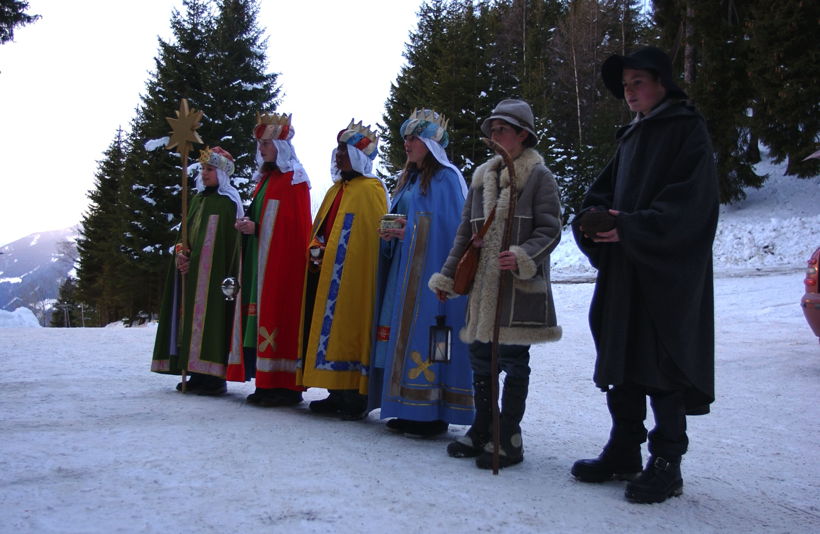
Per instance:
{"type": "Point", "coordinates": [183, 128]}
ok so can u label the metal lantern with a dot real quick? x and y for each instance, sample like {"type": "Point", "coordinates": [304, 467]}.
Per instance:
{"type": "Point", "coordinates": [440, 335]}
{"type": "Point", "coordinates": [230, 287]}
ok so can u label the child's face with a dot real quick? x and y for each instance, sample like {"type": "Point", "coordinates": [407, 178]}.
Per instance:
{"type": "Point", "coordinates": [505, 135]}
{"type": "Point", "coordinates": [209, 177]}
{"type": "Point", "coordinates": [642, 90]}
{"type": "Point", "coordinates": [342, 158]}
{"type": "Point", "coordinates": [268, 150]}
{"type": "Point", "coordinates": [415, 149]}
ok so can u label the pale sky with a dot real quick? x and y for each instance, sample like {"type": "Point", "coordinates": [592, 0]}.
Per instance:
{"type": "Point", "coordinates": [71, 78]}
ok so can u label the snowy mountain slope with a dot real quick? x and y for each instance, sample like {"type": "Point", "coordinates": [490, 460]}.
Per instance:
{"type": "Point", "coordinates": [32, 268]}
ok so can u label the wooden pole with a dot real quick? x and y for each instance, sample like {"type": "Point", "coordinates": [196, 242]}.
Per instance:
{"type": "Point", "coordinates": [185, 250]}
{"type": "Point", "coordinates": [502, 282]}
{"type": "Point", "coordinates": [183, 135]}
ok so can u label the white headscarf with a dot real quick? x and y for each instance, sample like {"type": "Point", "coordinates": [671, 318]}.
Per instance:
{"type": "Point", "coordinates": [441, 156]}
{"type": "Point", "coordinates": [225, 189]}
{"type": "Point", "coordinates": [359, 162]}
{"type": "Point", "coordinates": [286, 161]}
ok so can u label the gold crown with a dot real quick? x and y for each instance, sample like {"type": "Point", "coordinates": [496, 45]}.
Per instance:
{"type": "Point", "coordinates": [361, 137]}
{"type": "Point", "coordinates": [430, 116]}
{"type": "Point", "coordinates": [208, 157]}
{"type": "Point", "coordinates": [273, 126]}
{"type": "Point", "coordinates": [277, 119]}
{"type": "Point", "coordinates": [358, 128]}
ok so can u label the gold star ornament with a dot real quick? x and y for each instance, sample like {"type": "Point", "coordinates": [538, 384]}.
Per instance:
{"type": "Point", "coordinates": [183, 128]}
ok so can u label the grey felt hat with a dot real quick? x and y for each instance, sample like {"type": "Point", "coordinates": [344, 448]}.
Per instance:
{"type": "Point", "coordinates": [517, 113]}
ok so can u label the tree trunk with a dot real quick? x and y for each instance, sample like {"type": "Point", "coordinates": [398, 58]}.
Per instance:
{"type": "Point", "coordinates": [689, 46]}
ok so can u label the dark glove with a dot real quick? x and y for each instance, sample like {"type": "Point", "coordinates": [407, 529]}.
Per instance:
{"type": "Point", "coordinates": [595, 221]}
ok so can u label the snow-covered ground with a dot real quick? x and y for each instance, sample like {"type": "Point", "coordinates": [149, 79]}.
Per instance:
{"type": "Point", "coordinates": [94, 442]}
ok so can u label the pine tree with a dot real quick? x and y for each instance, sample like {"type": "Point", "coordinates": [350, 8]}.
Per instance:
{"type": "Point", "coordinates": [583, 115]}
{"type": "Point", "coordinates": [238, 86]}
{"type": "Point", "coordinates": [215, 60]}
{"type": "Point", "coordinates": [450, 68]}
{"type": "Point", "coordinates": [67, 312]}
{"type": "Point", "coordinates": [783, 69]}
{"type": "Point", "coordinates": [414, 84]}
{"type": "Point", "coordinates": [707, 41]}
{"type": "Point", "coordinates": [466, 56]}
{"type": "Point", "coordinates": [12, 14]}
{"type": "Point", "coordinates": [99, 257]}
{"type": "Point", "coordinates": [150, 197]}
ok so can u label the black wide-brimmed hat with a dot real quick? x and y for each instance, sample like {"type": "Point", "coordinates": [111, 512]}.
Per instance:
{"type": "Point", "coordinates": [647, 58]}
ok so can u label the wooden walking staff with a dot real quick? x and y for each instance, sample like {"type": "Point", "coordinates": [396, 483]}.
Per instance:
{"type": "Point", "coordinates": [183, 135]}
{"type": "Point", "coordinates": [505, 244]}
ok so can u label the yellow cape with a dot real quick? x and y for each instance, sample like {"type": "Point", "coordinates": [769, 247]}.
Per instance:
{"type": "Point", "coordinates": [337, 353]}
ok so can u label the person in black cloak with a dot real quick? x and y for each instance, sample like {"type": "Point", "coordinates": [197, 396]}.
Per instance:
{"type": "Point", "coordinates": [647, 225]}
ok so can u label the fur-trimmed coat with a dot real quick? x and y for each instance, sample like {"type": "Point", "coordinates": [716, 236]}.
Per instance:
{"type": "Point", "coordinates": [527, 308]}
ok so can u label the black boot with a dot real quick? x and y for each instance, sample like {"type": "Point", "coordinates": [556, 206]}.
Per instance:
{"type": "Point", "coordinates": [425, 429]}
{"type": "Point", "coordinates": [275, 397]}
{"type": "Point", "coordinates": [472, 443]}
{"type": "Point", "coordinates": [211, 386]}
{"type": "Point", "coordinates": [513, 404]}
{"type": "Point", "coordinates": [194, 381]}
{"type": "Point", "coordinates": [668, 442]}
{"type": "Point", "coordinates": [259, 396]}
{"type": "Point", "coordinates": [330, 405]}
{"type": "Point", "coordinates": [612, 463]}
{"type": "Point", "coordinates": [354, 406]}
{"type": "Point", "coordinates": [621, 457]}
{"type": "Point", "coordinates": [397, 425]}
{"type": "Point", "coordinates": [660, 480]}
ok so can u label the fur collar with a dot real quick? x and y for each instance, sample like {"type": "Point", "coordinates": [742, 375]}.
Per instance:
{"type": "Point", "coordinates": [487, 176]}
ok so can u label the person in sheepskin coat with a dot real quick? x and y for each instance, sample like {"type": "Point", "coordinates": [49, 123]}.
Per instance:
{"type": "Point", "coordinates": [527, 308]}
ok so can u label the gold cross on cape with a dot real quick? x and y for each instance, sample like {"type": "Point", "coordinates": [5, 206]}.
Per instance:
{"type": "Point", "coordinates": [423, 367]}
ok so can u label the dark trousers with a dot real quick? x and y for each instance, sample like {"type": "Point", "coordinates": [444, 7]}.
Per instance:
{"type": "Point", "coordinates": [514, 360]}
{"type": "Point", "coordinates": [627, 406]}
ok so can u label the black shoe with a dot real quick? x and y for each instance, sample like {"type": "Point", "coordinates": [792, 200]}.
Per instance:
{"type": "Point", "coordinates": [397, 425]}
{"type": "Point", "coordinates": [212, 390]}
{"type": "Point", "coordinates": [287, 397]}
{"type": "Point", "coordinates": [608, 466]}
{"type": "Point", "coordinates": [275, 397]}
{"type": "Point", "coordinates": [469, 445]}
{"type": "Point", "coordinates": [505, 459]}
{"type": "Point", "coordinates": [354, 406]}
{"type": "Point", "coordinates": [425, 429]}
{"type": "Point", "coordinates": [660, 480]}
{"type": "Point", "coordinates": [257, 396]}
{"type": "Point", "coordinates": [331, 405]}
{"type": "Point", "coordinates": [193, 383]}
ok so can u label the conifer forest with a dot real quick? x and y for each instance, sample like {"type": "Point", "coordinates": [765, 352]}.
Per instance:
{"type": "Point", "coordinates": [750, 66]}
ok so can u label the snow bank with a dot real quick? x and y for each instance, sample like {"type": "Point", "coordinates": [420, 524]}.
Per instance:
{"type": "Point", "coordinates": [775, 228]}
{"type": "Point", "coordinates": [19, 318]}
